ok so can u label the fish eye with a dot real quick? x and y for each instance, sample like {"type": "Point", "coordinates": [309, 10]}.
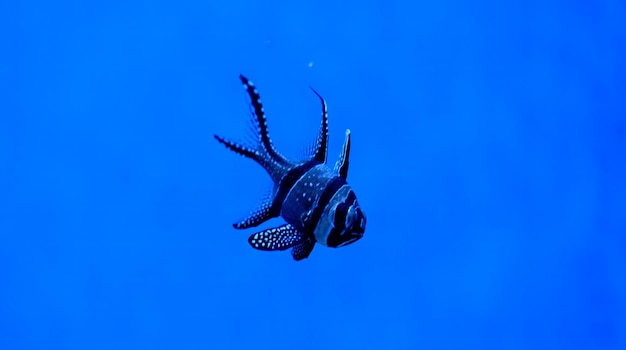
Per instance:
{"type": "Point", "coordinates": [354, 220]}
{"type": "Point", "coordinates": [349, 219]}
{"type": "Point", "coordinates": [361, 221]}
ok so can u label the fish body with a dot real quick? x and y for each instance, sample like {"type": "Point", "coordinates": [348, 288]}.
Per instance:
{"type": "Point", "coordinates": [317, 203]}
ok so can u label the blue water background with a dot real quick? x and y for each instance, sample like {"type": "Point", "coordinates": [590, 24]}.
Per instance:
{"type": "Point", "coordinates": [488, 153]}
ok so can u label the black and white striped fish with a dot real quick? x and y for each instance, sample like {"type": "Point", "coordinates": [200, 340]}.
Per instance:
{"type": "Point", "coordinates": [316, 202]}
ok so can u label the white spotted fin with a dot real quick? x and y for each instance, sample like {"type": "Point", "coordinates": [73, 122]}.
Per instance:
{"type": "Point", "coordinates": [303, 249]}
{"type": "Point", "coordinates": [318, 149]}
{"type": "Point", "coordinates": [261, 149]}
{"type": "Point", "coordinates": [316, 203]}
{"type": "Point", "coordinates": [321, 143]}
{"type": "Point", "coordinates": [277, 238]}
{"type": "Point", "coordinates": [341, 167]}
{"type": "Point", "coordinates": [263, 212]}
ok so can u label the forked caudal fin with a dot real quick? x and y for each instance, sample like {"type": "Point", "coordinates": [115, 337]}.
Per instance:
{"type": "Point", "coordinates": [238, 148]}
{"type": "Point", "coordinates": [259, 122]}
{"type": "Point", "coordinates": [261, 150]}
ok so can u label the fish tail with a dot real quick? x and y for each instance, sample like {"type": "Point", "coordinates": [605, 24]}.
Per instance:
{"type": "Point", "coordinates": [240, 149]}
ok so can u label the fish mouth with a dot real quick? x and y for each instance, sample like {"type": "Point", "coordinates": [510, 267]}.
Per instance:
{"type": "Point", "coordinates": [353, 238]}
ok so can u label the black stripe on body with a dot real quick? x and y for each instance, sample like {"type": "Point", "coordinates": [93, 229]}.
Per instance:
{"type": "Point", "coordinates": [325, 224]}
{"type": "Point", "coordinates": [342, 211]}
{"type": "Point", "coordinates": [333, 186]}
{"type": "Point", "coordinates": [304, 196]}
{"type": "Point", "coordinates": [288, 181]}
{"type": "Point", "coordinates": [339, 224]}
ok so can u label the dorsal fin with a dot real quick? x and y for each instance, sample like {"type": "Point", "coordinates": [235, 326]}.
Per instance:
{"type": "Point", "coordinates": [341, 167]}
{"type": "Point", "coordinates": [321, 144]}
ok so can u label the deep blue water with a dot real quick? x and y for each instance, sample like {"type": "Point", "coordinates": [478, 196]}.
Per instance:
{"type": "Point", "coordinates": [488, 152]}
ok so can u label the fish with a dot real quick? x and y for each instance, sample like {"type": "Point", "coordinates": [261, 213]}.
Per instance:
{"type": "Point", "coordinates": [316, 202]}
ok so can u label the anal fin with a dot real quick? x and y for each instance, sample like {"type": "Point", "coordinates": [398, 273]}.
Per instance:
{"type": "Point", "coordinates": [303, 249]}
{"type": "Point", "coordinates": [261, 214]}
{"type": "Point", "coordinates": [277, 238]}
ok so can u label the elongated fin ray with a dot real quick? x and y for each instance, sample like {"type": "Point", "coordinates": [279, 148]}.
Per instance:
{"type": "Point", "coordinates": [259, 121]}
{"type": "Point", "coordinates": [321, 144]}
{"type": "Point", "coordinates": [240, 149]}
{"type": "Point", "coordinates": [261, 214]}
{"type": "Point", "coordinates": [303, 249]}
{"type": "Point", "coordinates": [341, 167]}
{"type": "Point", "coordinates": [277, 238]}
{"type": "Point", "coordinates": [272, 168]}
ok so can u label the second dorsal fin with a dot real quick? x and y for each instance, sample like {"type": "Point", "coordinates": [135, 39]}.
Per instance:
{"type": "Point", "coordinates": [321, 143]}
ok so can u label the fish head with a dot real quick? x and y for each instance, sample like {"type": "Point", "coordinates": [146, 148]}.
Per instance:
{"type": "Point", "coordinates": [349, 223]}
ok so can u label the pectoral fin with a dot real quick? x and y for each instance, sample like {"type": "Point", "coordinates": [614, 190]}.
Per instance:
{"type": "Point", "coordinates": [303, 249]}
